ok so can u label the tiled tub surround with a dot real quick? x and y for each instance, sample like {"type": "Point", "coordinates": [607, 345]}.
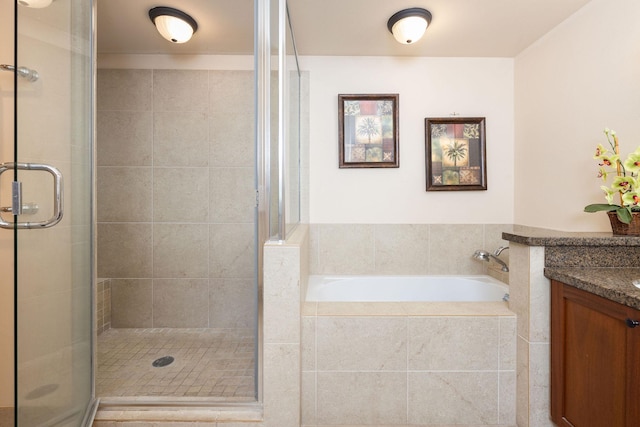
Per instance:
{"type": "Point", "coordinates": [409, 249]}
{"type": "Point", "coordinates": [175, 196]}
{"type": "Point", "coordinates": [407, 363]}
{"type": "Point", "coordinates": [427, 364]}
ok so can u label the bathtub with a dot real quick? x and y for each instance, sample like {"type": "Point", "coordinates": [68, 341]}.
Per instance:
{"type": "Point", "coordinates": [406, 289]}
{"type": "Point", "coordinates": [408, 350]}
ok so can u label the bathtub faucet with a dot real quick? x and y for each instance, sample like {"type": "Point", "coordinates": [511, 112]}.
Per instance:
{"type": "Point", "coordinates": [486, 256]}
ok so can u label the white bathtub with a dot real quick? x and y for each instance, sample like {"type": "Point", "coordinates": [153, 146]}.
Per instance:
{"type": "Point", "coordinates": [406, 288]}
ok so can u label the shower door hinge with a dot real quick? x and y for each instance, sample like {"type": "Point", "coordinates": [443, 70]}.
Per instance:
{"type": "Point", "coordinates": [257, 198]}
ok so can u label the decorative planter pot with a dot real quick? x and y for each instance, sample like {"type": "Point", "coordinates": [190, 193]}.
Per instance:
{"type": "Point", "coordinates": [621, 229]}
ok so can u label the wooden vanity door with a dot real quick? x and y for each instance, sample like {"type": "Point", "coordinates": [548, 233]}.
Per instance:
{"type": "Point", "coordinates": [594, 360]}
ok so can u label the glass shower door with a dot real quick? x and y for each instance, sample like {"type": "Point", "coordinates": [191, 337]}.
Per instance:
{"type": "Point", "coordinates": [49, 209]}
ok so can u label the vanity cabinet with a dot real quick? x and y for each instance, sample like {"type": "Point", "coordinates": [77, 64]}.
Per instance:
{"type": "Point", "coordinates": [595, 360]}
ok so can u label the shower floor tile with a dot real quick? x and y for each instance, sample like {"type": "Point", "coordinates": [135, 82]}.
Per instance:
{"type": "Point", "coordinates": [216, 363]}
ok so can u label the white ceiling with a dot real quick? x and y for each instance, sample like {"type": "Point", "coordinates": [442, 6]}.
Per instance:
{"type": "Point", "coordinates": [480, 28]}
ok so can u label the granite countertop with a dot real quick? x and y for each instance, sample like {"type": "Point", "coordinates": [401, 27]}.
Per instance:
{"type": "Point", "coordinates": [533, 236]}
{"type": "Point", "coordinates": [614, 284]}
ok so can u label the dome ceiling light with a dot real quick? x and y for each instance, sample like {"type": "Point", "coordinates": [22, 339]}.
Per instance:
{"type": "Point", "coordinates": [409, 25]}
{"type": "Point", "coordinates": [173, 24]}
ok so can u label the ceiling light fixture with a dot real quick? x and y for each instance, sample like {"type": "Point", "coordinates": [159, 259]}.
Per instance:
{"type": "Point", "coordinates": [173, 24]}
{"type": "Point", "coordinates": [409, 25]}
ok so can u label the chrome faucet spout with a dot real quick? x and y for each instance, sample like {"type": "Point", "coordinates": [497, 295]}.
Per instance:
{"type": "Point", "coordinates": [504, 265]}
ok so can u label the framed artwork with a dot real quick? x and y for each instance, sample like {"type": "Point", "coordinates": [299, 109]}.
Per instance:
{"type": "Point", "coordinates": [455, 154]}
{"type": "Point", "coordinates": [368, 131]}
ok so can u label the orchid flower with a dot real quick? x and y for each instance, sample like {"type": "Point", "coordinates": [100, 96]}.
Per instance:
{"type": "Point", "coordinates": [631, 198]}
{"type": "Point", "coordinates": [623, 184]}
{"type": "Point", "coordinates": [626, 182]}
{"type": "Point", "coordinates": [609, 160]}
{"type": "Point", "coordinates": [608, 193]}
{"type": "Point", "coordinates": [600, 151]}
{"type": "Point", "coordinates": [632, 164]}
{"type": "Point", "coordinates": [603, 173]}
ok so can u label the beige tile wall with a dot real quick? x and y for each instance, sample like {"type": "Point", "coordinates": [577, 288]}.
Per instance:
{"type": "Point", "coordinates": [175, 194]}
{"type": "Point", "coordinates": [286, 268]}
{"type": "Point", "coordinates": [406, 248]}
{"type": "Point", "coordinates": [371, 369]}
{"type": "Point", "coordinates": [530, 300]}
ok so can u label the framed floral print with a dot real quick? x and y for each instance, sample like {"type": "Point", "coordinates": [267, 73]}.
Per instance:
{"type": "Point", "coordinates": [455, 154]}
{"type": "Point", "coordinates": [368, 131]}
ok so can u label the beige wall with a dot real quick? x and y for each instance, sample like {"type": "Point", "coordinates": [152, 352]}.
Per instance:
{"type": "Point", "coordinates": [175, 167]}
{"type": "Point", "coordinates": [428, 87]}
{"type": "Point", "coordinates": [571, 84]}
{"type": "Point", "coordinates": [6, 236]}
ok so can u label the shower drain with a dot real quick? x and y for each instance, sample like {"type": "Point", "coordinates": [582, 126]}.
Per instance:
{"type": "Point", "coordinates": [163, 361]}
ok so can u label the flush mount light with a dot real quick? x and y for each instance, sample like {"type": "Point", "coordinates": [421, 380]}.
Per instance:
{"type": "Point", "coordinates": [173, 24]}
{"type": "Point", "coordinates": [408, 25]}
{"type": "Point", "coordinates": [36, 4]}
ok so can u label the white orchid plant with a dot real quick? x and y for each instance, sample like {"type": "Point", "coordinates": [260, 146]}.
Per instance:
{"type": "Point", "coordinates": [625, 184]}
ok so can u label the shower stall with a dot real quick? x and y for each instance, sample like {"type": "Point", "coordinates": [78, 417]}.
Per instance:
{"type": "Point", "coordinates": [143, 283]}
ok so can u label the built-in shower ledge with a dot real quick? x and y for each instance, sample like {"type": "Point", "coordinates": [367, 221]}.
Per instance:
{"type": "Point", "coordinates": [158, 410]}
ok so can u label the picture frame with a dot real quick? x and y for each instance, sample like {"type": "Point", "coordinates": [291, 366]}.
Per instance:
{"type": "Point", "coordinates": [456, 157]}
{"type": "Point", "coordinates": [368, 131]}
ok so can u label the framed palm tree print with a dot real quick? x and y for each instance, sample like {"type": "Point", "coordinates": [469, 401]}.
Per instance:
{"type": "Point", "coordinates": [455, 154]}
{"type": "Point", "coordinates": [368, 131]}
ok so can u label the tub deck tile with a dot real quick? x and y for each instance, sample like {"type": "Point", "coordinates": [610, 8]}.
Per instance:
{"type": "Point", "coordinates": [493, 308]}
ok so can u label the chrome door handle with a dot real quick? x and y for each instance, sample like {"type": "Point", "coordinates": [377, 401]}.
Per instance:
{"type": "Point", "coordinates": [17, 206]}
